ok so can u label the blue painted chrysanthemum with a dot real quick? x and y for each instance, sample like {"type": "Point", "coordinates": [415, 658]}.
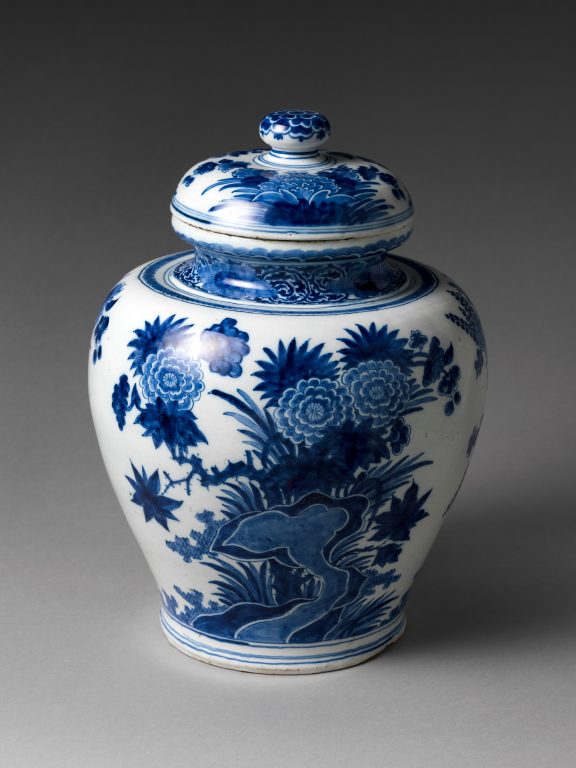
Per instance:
{"type": "Point", "coordinates": [308, 409]}
{"type": "Point", "coordinates": [172, 376]}
{"type": "Point", "coordinates": [291, 364]}
{"type": "Point", "coordinates": [155, 336]}
{"type": "Point", "coordinates": [380, 389]}
{"type": "Point", "coordinates": [294, 186]}
{"type": "Point", "coordinates": [374, 343]}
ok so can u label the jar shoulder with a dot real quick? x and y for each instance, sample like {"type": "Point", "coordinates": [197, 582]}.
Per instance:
{"type": "Point", "coordinates": [155, 278]}
{"type": "Point", "coordinates": [144, 302]}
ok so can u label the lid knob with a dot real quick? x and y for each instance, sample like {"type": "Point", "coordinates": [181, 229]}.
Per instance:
{"type": "Point", "coordinates": [294, 137]}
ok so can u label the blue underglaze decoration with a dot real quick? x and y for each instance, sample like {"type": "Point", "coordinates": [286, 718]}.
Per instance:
{"type": "Point", "coordinates": [103, 321]}
{"type": "Point", "coordinates": [469, 321]}
{"type": "Point", "coordinates": [263, 254]}
{"type": "Point", "coordinates": [223, 347]}
{"type": "Point", "coordinates": [154, 337]}
{"type": "Point", "coordinates": [156, 506]}
{"type": "Point", "coordinates": [297, 124]}
{"type": "Point", "coordinates": [420, 281]}
{"type": "Point", "coordinates": [168, 424]}
{"type": "Point", "coordinates": [300, 283]}
{"type": "Point", "coordinates": [172, 376]}
{"type": "Point", "coordinates": [417, 340]}
{"type": "Point", "coordinates": [222, 164]}
{"type": "Point", "coordinates": [342, 196]}
{"type": "Point", "coordinates": [438, 368]}
{"type": "Point", "coordinates": [375, 343]}
{"type": "Point", "coordinates": [195, 545]}
{"type": "Point", "coordinates": [380, 390]}
{"type": "Point", "coordinates": [242, 152]}
{"type": "Point", "coordinates": [231, 280]}
{"type": "Point", "coordinates": [290, 364]}
{"type": "Point", "coordinates": [313, 518]}
{"type": "Point", "coordinates": [472, 441]}
{"type": "Point", "coordinates": [308, 409]}
{"type": "Point", "coordinates": [168, 379]}
{"type": "Point", "coordinates": [120, 395]}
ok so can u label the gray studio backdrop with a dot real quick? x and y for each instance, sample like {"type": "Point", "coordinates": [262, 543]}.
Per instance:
{"type": "Point", "coordinates": [101, 113]}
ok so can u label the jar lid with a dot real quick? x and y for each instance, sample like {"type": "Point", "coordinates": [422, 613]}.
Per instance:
{"type": "Point", "coordinates": [294, 190]}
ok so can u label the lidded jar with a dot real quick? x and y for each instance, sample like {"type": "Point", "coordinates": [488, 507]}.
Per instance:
{"type": "Point", "coordinates": [287, 409]}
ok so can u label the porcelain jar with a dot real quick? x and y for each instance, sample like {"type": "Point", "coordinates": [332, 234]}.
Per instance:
{"type": "Point", "coordinates": [287, 408]}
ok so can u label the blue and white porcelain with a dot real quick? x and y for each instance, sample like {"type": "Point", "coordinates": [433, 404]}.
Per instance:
{"type": "Point", "coordinates": [287, 408]}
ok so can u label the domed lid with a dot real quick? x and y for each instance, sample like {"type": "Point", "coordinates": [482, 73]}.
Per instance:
{"type": "Point", "coordinates": [293, 190]}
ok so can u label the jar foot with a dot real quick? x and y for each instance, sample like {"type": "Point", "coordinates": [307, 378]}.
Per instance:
{"type": "Point", "coordinates": [288, 659]}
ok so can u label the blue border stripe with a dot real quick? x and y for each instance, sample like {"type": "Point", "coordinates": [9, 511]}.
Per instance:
{"type": "Point", "coordinates": [275, 660]}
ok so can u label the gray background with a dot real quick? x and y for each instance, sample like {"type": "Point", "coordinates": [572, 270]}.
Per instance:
{"type": "Point", "coordinates": [473, 105]}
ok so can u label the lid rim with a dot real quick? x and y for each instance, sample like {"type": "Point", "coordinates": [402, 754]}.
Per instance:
{"type": "Point", "coordinates": [186, 216]}
{"type": "Point", "coordinates": [393, 237]}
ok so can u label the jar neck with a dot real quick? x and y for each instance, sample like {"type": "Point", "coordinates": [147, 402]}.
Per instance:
{"type": "Point", "coordinates": [290, 277]}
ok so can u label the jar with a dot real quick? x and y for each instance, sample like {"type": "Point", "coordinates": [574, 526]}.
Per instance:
{"type": "Point", "coordinates": [287, 408]}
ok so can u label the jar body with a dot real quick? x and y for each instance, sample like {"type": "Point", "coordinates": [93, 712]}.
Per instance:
{"type": "Point", "coordinates": [285, 468]}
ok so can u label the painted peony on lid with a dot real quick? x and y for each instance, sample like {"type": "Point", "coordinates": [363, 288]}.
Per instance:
{"type": "Point", "coordinates": [294, 190]}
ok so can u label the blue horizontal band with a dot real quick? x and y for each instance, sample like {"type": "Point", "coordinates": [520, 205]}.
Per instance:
{"type": "Point", "coordinates": [279, 659]}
